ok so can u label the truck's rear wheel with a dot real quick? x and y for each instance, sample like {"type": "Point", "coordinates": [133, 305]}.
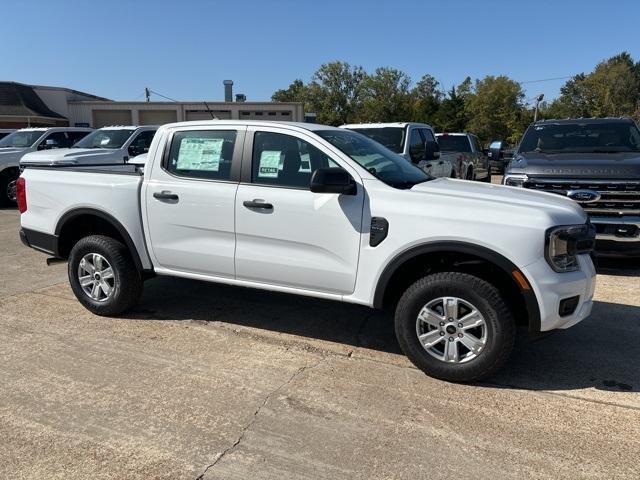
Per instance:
{"type": "Point", "coordinates": [102, 275]}
{"type": "Point", "coordinates": [455, 327]}
{"type": "Point", "coordinates": [8, 187]}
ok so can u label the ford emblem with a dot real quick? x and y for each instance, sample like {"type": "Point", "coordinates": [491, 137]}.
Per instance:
{"type": "Point", "coordinates": [583, 196]}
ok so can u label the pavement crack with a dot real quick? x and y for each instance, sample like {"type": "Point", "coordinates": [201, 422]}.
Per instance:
{"type": "Point", "coordinates": [254, 417]}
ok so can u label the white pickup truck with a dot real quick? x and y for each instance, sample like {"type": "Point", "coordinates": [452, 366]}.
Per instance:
{"type": "Point", "coordinates": [414, 141]}
{"type": "Point", "coordinates": [106, 145]}
{"type": "Point", "coordinates": [231, 202]}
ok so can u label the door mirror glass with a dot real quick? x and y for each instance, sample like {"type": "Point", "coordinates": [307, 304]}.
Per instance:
{"type": "Point", "coordinates": [432, 150]}
{"type": "Point", "coordinates": [49, 144]}
{"type": "Point", "coordinates": [333, 180]}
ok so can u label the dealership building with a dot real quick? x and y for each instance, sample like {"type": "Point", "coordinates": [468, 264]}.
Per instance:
{"type": "Point", "coordinates": [24, 105]}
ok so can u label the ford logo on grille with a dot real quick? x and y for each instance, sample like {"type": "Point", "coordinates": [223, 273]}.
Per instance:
{"type": "Point", "coordinates": [583, 196]}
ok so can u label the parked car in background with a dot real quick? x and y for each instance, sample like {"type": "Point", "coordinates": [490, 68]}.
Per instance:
{"type": "Point", "coordinates": [17, 144]}
{"type": "Point", "coordinates": [414, 141]}
{"type": "Point", "coordinates": [500, 154]}
{"type": "Point", "coordinates": [470, 160]}
{"type": "Point", "coordinates": [6, 131]}
{"type": "Point", "coordinates": [116, 144]}
{"type": "Point", "coordinates": [461, 263]}
{"type": "Point", "coordinates": [596, 162]}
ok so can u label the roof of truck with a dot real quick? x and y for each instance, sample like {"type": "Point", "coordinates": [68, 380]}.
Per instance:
{"type": "Point", "coordinates": [384, 125]}
{"type": "Point", "coordinates": [262, 123]}
{"type": "Point", "coordinates": [585, 120]}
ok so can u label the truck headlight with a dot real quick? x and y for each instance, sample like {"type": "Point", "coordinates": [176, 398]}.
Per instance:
{"type": "Point", "coordinates": [514, 180]}
{"type": "Point", "coordinates": [564, 244]}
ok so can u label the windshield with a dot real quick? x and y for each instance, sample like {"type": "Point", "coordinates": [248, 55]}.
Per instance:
{"type": "Point", "coordinates": [21, 139]}
{"type": "Point", "coordinates": [381, 162]}
{"type": "Point", "coordinates": [453, 143]}
{"type": "Point", "coordinates": [105, 138]}
{"type": "Point", "coordinates": [390, 137]}
{"type": "Point", "coordinates": [581, 137]}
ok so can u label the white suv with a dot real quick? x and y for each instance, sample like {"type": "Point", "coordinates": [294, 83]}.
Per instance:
{"type": "Point", "coordinates": [414, 141]}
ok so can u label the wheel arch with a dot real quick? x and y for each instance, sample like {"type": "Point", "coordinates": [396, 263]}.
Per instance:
{"type": "Point", "coordinates": [432, 257]}
{"type": "Point", "coordinates": [92, 221]}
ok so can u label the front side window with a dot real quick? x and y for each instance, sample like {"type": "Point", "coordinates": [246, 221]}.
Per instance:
{"type": "Point", "coordinates": [75, 137]}
{"type": "Point", "coordinates": [416, 146]}
{"type": "Point", "coordinates": [55, 140]}
{"type": "Point", "coordinates": [141, 143]}
{"type": "Point", "coordinates": [285, 161]}
{"type": "Point", "coordinates": [113, 138]}
{"type": "Point", "coordinates": [428, 135]}
{"type": "Point", "coordinates": [390, 137]}
{"type": "Point", "coordinates": [454, 143]}
{"type": "Point", "coordinates": [204, 154]}
{"type": "Point", "coordinates": [24, 139]}
{"type": "Point", "coordinates": [581, 138]}
{"type": "Point", "coordinates": [388, 167]}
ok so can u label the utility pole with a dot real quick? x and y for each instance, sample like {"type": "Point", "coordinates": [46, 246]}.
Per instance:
{"type": "Point", "coordinates": [147, 93]}
{"type": "Point", "coordinates": [538, 100]}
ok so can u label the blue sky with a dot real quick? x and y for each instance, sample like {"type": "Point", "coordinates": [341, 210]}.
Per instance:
{"type": "Point", "coordinates": [184, 49]}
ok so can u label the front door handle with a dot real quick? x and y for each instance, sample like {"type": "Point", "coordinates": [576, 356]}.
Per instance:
{"type": "Point", "coordinates": [165, 195]}
{"type": "Point", "coordinates": [257, 204]}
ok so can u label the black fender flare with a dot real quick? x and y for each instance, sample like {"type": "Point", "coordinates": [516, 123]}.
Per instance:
{"type": "Point", "coordinates": [487, 254]}
{"type": "Point", "coordinates": [71, 214]}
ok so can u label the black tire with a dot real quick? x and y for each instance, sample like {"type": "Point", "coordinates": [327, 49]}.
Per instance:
{"type": "Point", "coordinates": [469, 175]}
{"type": "Point", "coordinates": [127, 285]}
{"type": "Point", "coordinates": [487, 179]}
{"type": "Point", "coordinates": [500, 326]}
{"type": "Point", "coordinates": [6, 178]}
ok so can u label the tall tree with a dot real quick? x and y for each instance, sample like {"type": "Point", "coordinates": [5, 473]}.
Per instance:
{"type": "Point", "coordinates": [495, 109]}
{"type": "Point", "coordinates": [386, 96]}
{"type": "Point", "coordinates": [334, 92]}
{"type": "Point", "coordinates": [452, 116]}
{"type": "Point", "coordinates": [427, 99]}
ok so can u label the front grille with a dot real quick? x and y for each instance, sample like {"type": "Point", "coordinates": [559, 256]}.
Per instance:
{"type": "Point", "coordinates": [617, 198]}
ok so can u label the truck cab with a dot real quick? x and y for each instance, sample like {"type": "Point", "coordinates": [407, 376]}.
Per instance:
{"type": "Point", "coordinates": [414, 141]}
{"type": "Point", "coordinates": [16, 145]}
{"type": "Point", "coordinates": [114, 144]}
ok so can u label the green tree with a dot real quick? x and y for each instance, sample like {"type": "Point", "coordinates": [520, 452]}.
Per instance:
{"type": "Point", "coordinates": [386, 96]}
{"type": "Point", "coordinates": [334, 92]}
{"type": "Point", "coordinates": [452, 116]}
{"type": "Point", "coordinates": [427, 99]}
{"type": "Point", "coordinates": [495, 109]}
{"type": "Point", "coordinates": [296, 92]}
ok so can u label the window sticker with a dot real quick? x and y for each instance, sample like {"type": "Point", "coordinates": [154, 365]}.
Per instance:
{"type": "Point", "coordinates": [200, 154]}
{"type": "Point", "coordinates": [269, 164]}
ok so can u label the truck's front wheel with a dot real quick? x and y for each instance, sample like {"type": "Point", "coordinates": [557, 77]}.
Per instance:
{"type": "Point", "coordinates": [455, 327]}
{"type": "Point", "coordinates": [102, 275]}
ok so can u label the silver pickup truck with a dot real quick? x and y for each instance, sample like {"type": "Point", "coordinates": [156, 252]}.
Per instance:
{"type": "Point", "coordinates": [471, 162]}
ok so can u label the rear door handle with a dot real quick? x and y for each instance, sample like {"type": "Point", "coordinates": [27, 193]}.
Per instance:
{"type": "Point", "coordinates": [166, 195]}
{"type": "Point", "coordinates": [257, 204]}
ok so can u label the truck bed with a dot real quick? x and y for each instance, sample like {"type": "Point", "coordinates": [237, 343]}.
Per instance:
{"type": "Point", "coordinates": [56, 193]}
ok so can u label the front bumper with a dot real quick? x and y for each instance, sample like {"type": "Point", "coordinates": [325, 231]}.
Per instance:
{"type": "Point", "coordinates": [551, 288]}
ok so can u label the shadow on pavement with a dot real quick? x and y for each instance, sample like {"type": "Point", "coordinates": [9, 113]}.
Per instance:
{"type": "Point", "coordinates": [601, 352]}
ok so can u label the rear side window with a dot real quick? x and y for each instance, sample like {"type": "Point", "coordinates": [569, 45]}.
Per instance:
{"type": "Point", "coordinates": [202, 154]}
{"type": "Point", "coordinates": [286, 161]}
{"type": "Point", "coordinates": [454, 143]}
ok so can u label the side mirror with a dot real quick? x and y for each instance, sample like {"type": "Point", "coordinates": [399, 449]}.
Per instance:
{"type": "Point", "coordinates": [48, 144]}
{"type": "Point", "coordinates": [431, 150]}
{"type": "Point", "coordinates": [333, 180]}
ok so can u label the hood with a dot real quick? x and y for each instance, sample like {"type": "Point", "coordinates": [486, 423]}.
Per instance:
{"type": "Point", "coordinates": [79, 156]}
{"type": "Point", "coordinates": [578, 165]}
{"type": "Point", "coordinates": [11, 156]}
{"type": "Point", "coordinates": [563, 210]}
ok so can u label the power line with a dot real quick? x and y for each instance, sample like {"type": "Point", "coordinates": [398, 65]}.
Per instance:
{"type": "Point", "coordinates": [163, 96]}
{"type": "Point", "coordinates": [547, 79]}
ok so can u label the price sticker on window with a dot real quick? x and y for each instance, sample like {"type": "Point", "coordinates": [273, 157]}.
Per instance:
{"type": "Point", "coordinates": [200, 154]}
{"type": "Point", "coordinates": [269, 165]}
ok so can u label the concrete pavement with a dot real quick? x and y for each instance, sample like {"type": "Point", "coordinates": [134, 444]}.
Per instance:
{"type": "Point", "coordinates": [213, 382]}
